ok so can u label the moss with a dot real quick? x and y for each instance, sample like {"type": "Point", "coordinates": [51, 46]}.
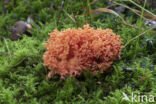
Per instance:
{"type": "Point", "coordinates": [23, 76]}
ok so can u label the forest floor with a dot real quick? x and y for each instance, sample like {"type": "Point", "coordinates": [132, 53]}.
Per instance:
{"type": "Point", "coordinates": [23, 75]}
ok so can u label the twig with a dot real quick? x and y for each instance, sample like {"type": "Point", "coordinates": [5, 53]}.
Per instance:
{"type": "Point", "coordinates": [138, 36]}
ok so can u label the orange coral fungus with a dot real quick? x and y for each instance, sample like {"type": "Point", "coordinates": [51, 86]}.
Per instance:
{"type": "Point", "coordinates": [72, 51]}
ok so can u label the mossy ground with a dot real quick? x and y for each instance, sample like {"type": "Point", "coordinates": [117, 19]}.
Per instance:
{"type": "Point", "coordinates": [23, 76]}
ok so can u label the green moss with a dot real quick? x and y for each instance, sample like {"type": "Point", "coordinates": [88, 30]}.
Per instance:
{"type": "Point", "coordinates": [23, 76]}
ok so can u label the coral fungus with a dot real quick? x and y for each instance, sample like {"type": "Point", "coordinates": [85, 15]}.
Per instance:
{"type": "Point", "coordinates": [72, 51]}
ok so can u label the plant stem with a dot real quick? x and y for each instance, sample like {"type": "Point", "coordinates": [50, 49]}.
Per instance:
{"type": "Point", "coordinates": [88, 11]}
{"type": "Point", "coordinates": [142, 8]}
{"type": "Point", "coordinates": [138, 36]}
